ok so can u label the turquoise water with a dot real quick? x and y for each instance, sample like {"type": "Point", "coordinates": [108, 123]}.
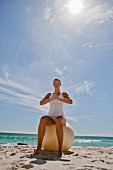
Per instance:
{"type": "Point", "coordinates": [31, 139]}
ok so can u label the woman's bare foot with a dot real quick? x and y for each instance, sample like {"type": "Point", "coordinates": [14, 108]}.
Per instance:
{"type": "Point", "coordinates": [60, 154]}
{"type": "Point", "coordinates": [37, 151]}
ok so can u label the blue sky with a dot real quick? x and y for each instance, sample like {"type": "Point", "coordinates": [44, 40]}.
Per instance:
{"type": "Point", "coordinates": [45, 39]}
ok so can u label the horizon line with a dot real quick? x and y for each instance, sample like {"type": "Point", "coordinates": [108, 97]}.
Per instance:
{"type": "Point", "coordinates": [35, 133]}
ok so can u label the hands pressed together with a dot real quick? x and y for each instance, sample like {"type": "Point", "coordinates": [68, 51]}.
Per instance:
{"type": "Point", "coordinates": [56, 97]}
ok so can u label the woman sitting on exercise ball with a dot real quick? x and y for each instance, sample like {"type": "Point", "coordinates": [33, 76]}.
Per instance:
{"type": "Point", "coordinates": [55, 115]}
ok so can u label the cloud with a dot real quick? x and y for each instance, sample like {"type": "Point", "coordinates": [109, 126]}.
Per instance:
{"type": "Point", "coordinates": [93, 45]}
{"type": "Point", "coordinates": [13, 97]}
{"type": "Point", "coordinates": [72, 118]}
{"type": "Point", "coordinates": [84, 88]}
{"type": "Point", "coordinates": [59, 72]}
{"type": "Point", "coordinates": [17, 97]}
{"type": "Point", "coordinates": [51, 45]}
{"type": "Point", "coordinates": [99, 14]}
{"type": "Point", "coordinates": [14, 91]}
{"type": "Point", "coordinates": [50, 42]}
{"type": "Point", "coordinates": [20, 80]}
{"type": "Point", "coordinates": [78, 118]}
{"type": "Point", "coordinates": [47, 12]}
{"type": "Point", "coordinates": [13, 84]}
{"type": "Point", "coordinates": [92, 15]}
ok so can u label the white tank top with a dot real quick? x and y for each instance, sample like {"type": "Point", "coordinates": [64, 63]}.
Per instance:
{"type": "Point", "coordinates": [56, 107]}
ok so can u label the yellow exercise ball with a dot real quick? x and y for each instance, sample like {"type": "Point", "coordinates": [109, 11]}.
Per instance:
{"type": "Point", "coordinates": [50, 142]}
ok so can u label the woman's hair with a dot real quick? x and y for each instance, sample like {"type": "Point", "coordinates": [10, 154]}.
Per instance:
{"type": "Point", "coordinates": [57, 80]}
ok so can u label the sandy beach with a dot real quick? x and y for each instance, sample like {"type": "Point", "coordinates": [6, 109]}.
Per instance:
{"type": "Point", "coordinates": [13, 156]}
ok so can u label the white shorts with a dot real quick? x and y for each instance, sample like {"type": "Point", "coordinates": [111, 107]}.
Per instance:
{"type": "Point", "coordinates": [54, 118]}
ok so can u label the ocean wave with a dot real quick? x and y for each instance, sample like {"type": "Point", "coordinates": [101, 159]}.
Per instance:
{"type": "Point", "coordinates": [86, 141]}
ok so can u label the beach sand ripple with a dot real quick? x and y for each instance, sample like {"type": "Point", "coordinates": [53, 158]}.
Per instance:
{"type": "Point", "coordinates": [13, 156]}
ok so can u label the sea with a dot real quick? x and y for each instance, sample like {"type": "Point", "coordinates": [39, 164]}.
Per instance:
{"type": "Point", "coordinates": [31, 139]}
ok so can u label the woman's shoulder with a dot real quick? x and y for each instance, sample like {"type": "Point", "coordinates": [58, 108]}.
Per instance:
{"type": "Point", "coordinates": [47, 95]}
{"type": "Point", "coordinates": [65, 94]}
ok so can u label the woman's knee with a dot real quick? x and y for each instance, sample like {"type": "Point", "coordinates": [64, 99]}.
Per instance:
{"type": "Point", "coordinates": [58, 120]}
{"type": "Point", "coordinates": [43, 120]}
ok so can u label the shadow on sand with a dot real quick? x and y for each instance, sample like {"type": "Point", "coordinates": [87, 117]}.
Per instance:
{"type": "Point", "coordinates": [45, 156]}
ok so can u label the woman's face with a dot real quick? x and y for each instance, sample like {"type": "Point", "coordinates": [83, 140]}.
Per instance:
{"type": "Point", "coordinates": [57, 84]}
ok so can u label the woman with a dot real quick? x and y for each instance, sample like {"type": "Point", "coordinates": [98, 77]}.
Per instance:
{"type": "Point", "coordinates": [55, 115]}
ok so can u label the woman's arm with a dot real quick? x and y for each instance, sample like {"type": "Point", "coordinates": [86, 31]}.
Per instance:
{"type": "Point", "coordinates": [66, 98]}
{"type": "Point", "coordinates": [46, 99]}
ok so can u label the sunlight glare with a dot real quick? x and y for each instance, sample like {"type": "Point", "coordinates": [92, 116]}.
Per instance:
{"type": "Point", "coordinates": [75, 6]}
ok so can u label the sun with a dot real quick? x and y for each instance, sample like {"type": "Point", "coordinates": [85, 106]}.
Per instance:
{"type": "Point", "coordinates": [75, 7]}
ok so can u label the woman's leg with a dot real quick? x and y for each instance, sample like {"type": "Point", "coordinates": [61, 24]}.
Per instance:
{"type": "Point", "coordinates": [60, 121]}
{"type": "Point", "coordinates": [44, 121]}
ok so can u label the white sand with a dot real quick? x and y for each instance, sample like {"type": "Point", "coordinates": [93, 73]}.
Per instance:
{"type": "Point", "coordinates": [14, 157]}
